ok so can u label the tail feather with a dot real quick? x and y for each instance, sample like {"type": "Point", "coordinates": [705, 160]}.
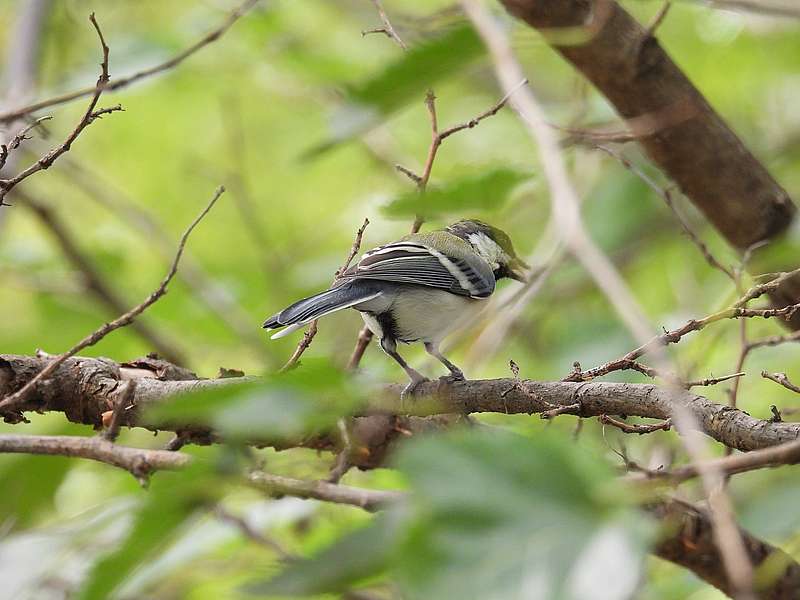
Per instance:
{"type": "Point", "coordinates": [316, 306]}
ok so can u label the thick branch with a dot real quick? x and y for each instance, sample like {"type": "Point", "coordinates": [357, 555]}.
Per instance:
{"type": "Point", "coordinates": [693, 145]}
{"type": "Point", "coordinates": [689, 542]}
{"type": "Point", "coordinates": [83, 389]}
{"type": "Point", "coordinates": [699, 151]}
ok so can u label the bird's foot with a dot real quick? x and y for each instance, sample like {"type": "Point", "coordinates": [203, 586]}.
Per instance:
{"type": "Point", "coordinates": [452, 378]}
{"type": "Point", "coordinates": [410, 390]}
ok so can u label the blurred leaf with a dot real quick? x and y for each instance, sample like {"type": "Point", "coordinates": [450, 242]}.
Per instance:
{"type": "Point", "coordinates": [492, 515]}
{"type": "Point", "coordinates": [358, 555]}
{"type": "Point", "coordinates": [503, 516]}
{"type": "Point", "coordinates": [487, 190]}
{"type": "Point", "coordinates": [310, 397]}
{"type": "Point", "coordinates": [402, 81]}
{"type": "Point", "coordinates": [171, 499]}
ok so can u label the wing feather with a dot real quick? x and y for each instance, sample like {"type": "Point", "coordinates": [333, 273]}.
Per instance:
{"type": "Point", "coordinates": [416, 263]}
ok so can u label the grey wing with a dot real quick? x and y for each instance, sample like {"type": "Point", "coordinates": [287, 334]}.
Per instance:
{"type": "Point", "coordinates": [410, 262]}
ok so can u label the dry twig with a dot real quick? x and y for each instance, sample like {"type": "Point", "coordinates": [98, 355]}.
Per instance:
{"type": "Point", "coordinates": [781, 379]}
{"type": "Point", "coordinates": [116, 84]}
{"type": "Point", "coordinates": [20, 395]}
{"type": "Point", "coordinates": [89, 116]}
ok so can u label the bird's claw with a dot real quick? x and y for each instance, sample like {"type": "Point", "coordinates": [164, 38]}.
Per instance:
{"type": "Point", "coordinates": [410, 389]}
{"type": "Point", "coordinates": [452, 378]}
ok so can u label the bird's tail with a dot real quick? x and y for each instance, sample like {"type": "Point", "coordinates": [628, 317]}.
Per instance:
{"type": "Point", "coordinates": [316, 306]}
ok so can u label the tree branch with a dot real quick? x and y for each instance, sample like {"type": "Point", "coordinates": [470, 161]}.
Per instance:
{"type": "Point", "coordinates": [83, 389]}
{"type": "Point", "coordinates": [116, 84]}
{"type": "Point", "coordinates": [137, 461]}
{"type": "Point", "coordinates": [89, 116]}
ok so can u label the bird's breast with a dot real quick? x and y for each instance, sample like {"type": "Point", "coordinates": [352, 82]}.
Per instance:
{"type": "Point", "coordinates": [417, 313]}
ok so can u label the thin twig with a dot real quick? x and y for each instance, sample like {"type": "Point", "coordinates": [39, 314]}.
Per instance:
{"type": "Point", "coordinates": [123, 403]}
{"type": "Point", "coordinates": [96, 284]}
{"type": "Point", "coordinates": [253, 534]}
{"type": "Point", "coordinates": [566, 210]}
{"type": "Point", "coordinates": [89, 116]}
{"type": "Point", "coordinates": [308, 336]}
{"type": "Point", "coordinates": [277, 485]}
{"type": "Point", "coordinates": [18, 139]}
{"type": "Point", "coordinates": [666, 195]}
{"type": "Point", "coordinates": [121, 321]}
{"type": "Point", "coordinates": [640, 428]}
{"type": "Point", "coordinates": [658, 19]}
{"type": "Point", "coordinates": [713, 380]}
{"type": "Point", "coordinates": [387, 27]}
{"type": "Point", "coordinates": [675, 335]}
{"type": "Point", "coordinates": [116, 84]}
{"type": "Point", "coordinates": [781, 379]}
{"type": "Point", "coordinates": [137, 461]}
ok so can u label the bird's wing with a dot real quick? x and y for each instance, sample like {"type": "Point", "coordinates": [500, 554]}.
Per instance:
{"type": "Point", "coordinates": [416, 263]}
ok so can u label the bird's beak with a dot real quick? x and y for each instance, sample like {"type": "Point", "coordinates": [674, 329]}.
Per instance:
{"type": "Point", "coordinates": [517, 269]}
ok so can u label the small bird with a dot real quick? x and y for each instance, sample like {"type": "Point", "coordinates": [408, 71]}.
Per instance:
{"type": "Point", "coordinates": [418, 289]}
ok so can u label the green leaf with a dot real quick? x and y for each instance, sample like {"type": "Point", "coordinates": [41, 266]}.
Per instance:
{"type": "Point", "coordinates": [284, 406]}
{"type": "Point", "coordinates": [405, 80]}
{"type": "Point", "coordinates": [503, 516]}
{"type": "Point", "coordinates": [171, 499]}
{"type": "Point", "coordinates": [358, 555]}
{"type": "Point", "coordinates": [487, 190]}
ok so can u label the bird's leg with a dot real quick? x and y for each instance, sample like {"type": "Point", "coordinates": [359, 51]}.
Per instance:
{"type": "Point", "coordinates": [390, 347]}
{"type": "Point", "coordinates": [455, 373]}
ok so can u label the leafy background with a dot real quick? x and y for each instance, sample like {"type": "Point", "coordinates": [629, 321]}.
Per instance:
{"type": "Point", "coordinates": [302, 118]}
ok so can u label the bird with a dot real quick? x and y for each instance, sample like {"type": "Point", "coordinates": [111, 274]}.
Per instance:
{"type": "Point", "coordinates": [417, 289]}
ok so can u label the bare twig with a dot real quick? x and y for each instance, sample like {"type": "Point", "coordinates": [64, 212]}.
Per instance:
{"type": "Point", "coordinates": [206, 289]}
{"type": "Point", "coordinates": [277, 485]}
{"type": "Point", "coordinates": [253, 534]}
{"type": "Point", "coordinates": [658, 19]}
{"type": "Point", "coordinates": [89, 116]}
{"type": "Point", "coordinates": [781, 379]}
{"type": "Point", "coordinates": [95, 282]}
{"type": "Point", "coordinates": [123, 403]}
{"type": "Point", "coordinates": [713, 380]}
{"type": "Point", "coordinates": [666, 195]}
{"type": "Point", "coordinates": [675, 335]}
{"type": "Point", "coordinates": [20, 137]}
{"type": "Point", "coordinates": [121, 321]}
{"type": "Point", "coordinates": [137, 461]}
{"type": "Point", "coordinates": [387, 27]}
{"type": "Point", "coordinates": [635, 428]}
{"type": "Point", "coordinates": [116, 84]}
{"type": "Point", "coordinates": [308, 336]}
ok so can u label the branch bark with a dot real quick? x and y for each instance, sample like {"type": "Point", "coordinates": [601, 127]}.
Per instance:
{"type": "Point", "coordinates": [84, 388]}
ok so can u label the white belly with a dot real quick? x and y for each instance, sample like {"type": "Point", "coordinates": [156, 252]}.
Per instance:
{"type": "Point", "coordinates": [420, 313]}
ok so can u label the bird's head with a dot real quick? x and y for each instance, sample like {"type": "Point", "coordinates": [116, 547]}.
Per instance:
{"type": "Point", "coordinates": [494, 246]}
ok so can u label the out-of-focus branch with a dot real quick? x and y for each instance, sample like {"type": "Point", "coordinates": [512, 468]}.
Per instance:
{"type": "Point", "coordinates": [13, 114]}
{"type": "Point", "coordinates": [277, 485]}
{"type": "Point", "coordinates": [10, 402]}
{"type": "Point", "coordinates": [566, 212]}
